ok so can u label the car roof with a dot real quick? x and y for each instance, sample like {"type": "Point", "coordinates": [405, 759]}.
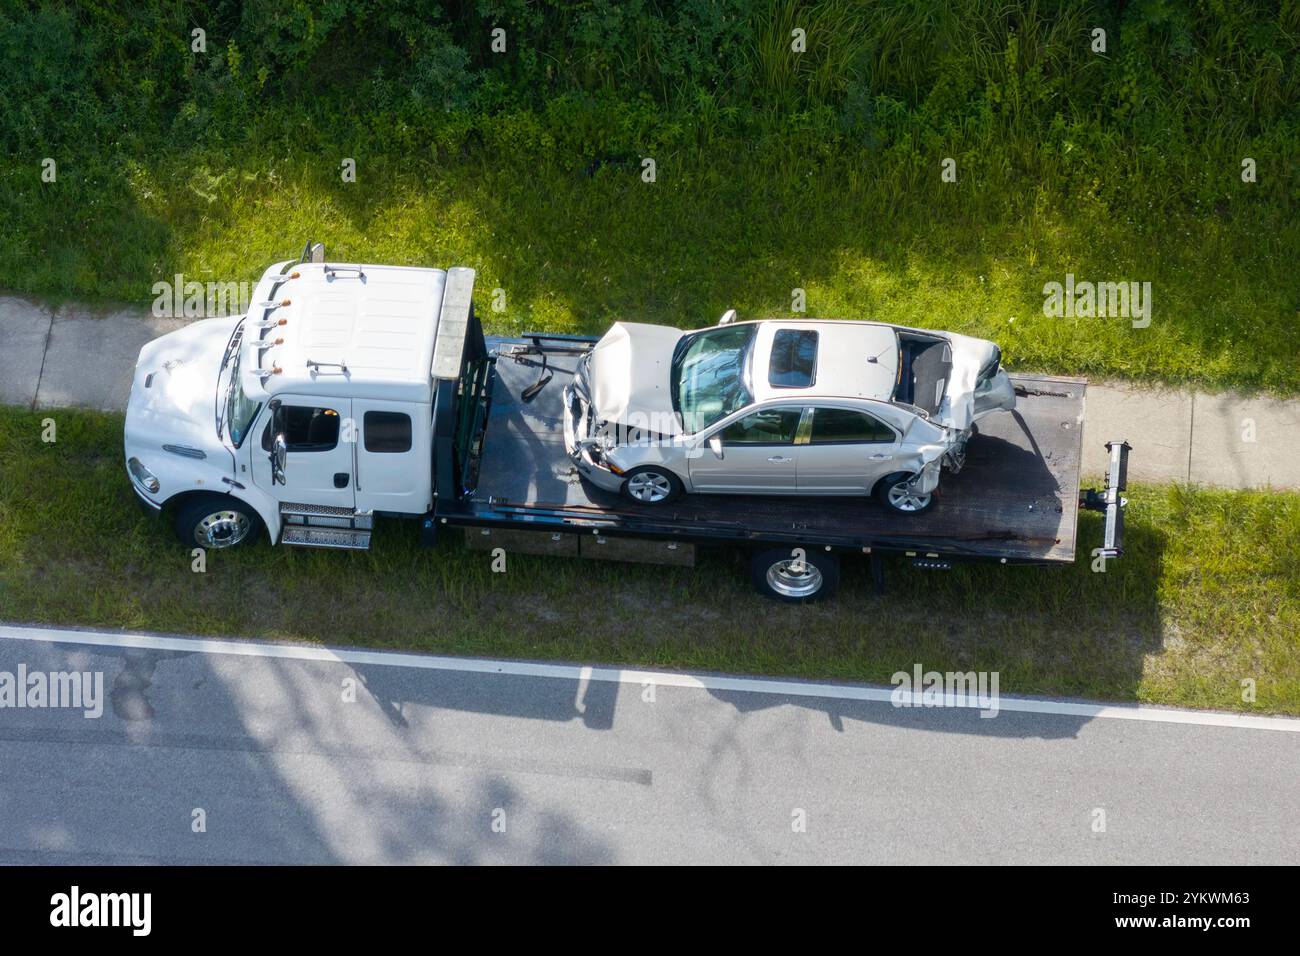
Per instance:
{"type": "Point", "coordinates": [853, 360]}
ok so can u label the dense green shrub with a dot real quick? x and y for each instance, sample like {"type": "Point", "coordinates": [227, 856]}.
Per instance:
{"type": "Point", "coordinates": [1059, 146]}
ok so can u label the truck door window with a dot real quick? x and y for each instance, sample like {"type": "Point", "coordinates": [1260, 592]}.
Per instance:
{"type": "Point", "coordinates": [843, 426]}
{"type": "Point", "coordinates": [306, 429]}
{"type": "Point", "coordinates": [772, 426]}
{"type": "Point", "coordinates": [387, 432]}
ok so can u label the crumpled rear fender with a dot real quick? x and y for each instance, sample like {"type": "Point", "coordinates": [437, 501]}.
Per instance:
{"type": "Point", "coordinates": [925, 464]}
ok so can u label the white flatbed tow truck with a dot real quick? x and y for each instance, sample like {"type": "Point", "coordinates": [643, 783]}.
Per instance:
{"type": "Point", "coordinates": [352, 394]}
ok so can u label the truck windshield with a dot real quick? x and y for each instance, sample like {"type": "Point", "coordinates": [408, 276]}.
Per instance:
{"type": "Point", "coordinates": [240, 410]}
{"type": "Point", "coordinates": [710, 375]}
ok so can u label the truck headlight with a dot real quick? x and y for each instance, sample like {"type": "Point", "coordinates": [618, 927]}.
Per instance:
{"type": "Point", "coordinates": [142, 475]}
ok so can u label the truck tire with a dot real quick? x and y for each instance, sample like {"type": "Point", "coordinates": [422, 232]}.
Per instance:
{"type": "Point", "coordinates": [651, 485]}
{"type": "Point", "coordinates": [796, 575]}
{"type": "Point", "coordinates": [893, 493]}
{"type": "Point", "coordinates": [216, 522]}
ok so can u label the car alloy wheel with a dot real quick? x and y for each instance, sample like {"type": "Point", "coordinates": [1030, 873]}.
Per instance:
{"type": "Point", "coordinates": [650, 487]}
{"type": "Point", "coordinates": [903, 498]}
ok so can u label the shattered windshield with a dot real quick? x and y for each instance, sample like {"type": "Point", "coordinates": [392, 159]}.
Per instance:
{"type": "Point", "coordinates": [711, 374]}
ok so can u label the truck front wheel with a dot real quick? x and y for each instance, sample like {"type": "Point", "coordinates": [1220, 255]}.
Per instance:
{"type": "Point", "coordinates": [216, 522]}
{"type": "Point", "coordinates": [794, 575]}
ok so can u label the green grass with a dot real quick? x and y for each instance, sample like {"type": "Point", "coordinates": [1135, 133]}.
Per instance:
{"type": "Point", "coordinates": [572, 252]}
{"type": "Point", "coordinates": [1207, 596]}
{"type": "Point", "coordinates": [776, 170]}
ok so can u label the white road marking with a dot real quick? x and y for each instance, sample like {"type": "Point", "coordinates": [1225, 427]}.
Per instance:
{"type": "Point", "coordinates": [620, 675]}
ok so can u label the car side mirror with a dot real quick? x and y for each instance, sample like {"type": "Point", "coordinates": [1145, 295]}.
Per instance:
{"type": "Point", "coordinates": [715, 445]}
{"type": "Point", "coordinates": [279, 455]}
{"type": "Point", "coordinates": [727, 317]}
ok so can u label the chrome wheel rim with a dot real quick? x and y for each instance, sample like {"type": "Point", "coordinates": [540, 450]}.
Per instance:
{"type": "Point", "coordinates": [649, 486]}
{"type": "Point", "coordinates": [794, 579]}
{"type": "Point", "coordinates": [222, 529]}
{"type": "Point", "coordinates": [903, 498]}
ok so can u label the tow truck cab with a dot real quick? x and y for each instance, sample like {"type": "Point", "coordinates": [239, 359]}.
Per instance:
{"type": "Point", "coordinates": [310, 415]}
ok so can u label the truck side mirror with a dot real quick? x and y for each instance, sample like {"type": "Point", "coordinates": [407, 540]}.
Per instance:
{"type": "Point", "coordinates": [279, 447]}
{"type": "Point", "coordinates": [279, 455]}
{"type": "Point", "coordinates": [715, 445]}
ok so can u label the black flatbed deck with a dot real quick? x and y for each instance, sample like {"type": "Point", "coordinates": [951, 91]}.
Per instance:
{"type": "Point", "coordinates": [1016, 500]}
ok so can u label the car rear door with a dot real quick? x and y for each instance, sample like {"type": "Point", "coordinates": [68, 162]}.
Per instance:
{"type": "Point", "coordinates": [758, 454]}
{"type": "Point", "coordinates": [847, 451]}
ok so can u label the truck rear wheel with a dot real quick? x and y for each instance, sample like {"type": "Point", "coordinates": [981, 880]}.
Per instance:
{"type": "Point", "coordinates": [794, 575]}
{"type": "Point", "coordinates": [216, 522]}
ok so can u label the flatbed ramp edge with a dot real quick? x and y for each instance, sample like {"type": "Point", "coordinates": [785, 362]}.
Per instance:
{"type": "Point", "coordinates": [1016, 500]}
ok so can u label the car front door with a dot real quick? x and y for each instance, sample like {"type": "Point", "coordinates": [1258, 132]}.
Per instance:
{"type": "Point", "coordinates": [847, 452]}
{"type": "Point", "coordinates": [758, 454]}
{"type": "Point", "coordinates": [319, 465]}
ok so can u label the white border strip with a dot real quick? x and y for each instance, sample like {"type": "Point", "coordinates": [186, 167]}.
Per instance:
{"type": "Point", "coordinates": [619, 675]}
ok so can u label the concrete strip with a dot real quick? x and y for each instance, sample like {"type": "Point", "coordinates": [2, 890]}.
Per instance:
{"type": "Point", "coordinates": [1177, 435]}
{"type": "Point", "coordinates": [92, 355]}
{"type": "Point", "coordinates": [1246, 442]}
{"type": "Point", "coordinates": [1157, 422]}
{"type": "Point", "coordinates": [24, 331]}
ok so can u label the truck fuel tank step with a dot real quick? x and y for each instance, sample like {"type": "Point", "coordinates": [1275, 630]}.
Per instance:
{"type": "Point", "coordinates": [325, 516]}
{"type": "Point", "coordinates": [348, 539]}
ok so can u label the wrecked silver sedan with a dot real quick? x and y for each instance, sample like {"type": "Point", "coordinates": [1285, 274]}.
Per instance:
{"type": "Point", "coordinates": [780, 407]}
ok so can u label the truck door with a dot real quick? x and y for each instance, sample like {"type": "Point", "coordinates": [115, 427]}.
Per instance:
{"type": "Point", "coordinates": [319, 468]}
{"type": "Point", "coordinates": [394, 470]}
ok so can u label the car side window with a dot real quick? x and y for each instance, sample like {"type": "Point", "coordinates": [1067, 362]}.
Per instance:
{"type": "Point", "coordinates": [306, 428]}
{"type": "Point", "coordinates": [771, 426]}
{"type": "Point", "coordinates": [843, 426]}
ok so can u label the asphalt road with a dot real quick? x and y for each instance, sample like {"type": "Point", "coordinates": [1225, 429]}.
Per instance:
{"type": "Point", "coordinates": [435, 765]}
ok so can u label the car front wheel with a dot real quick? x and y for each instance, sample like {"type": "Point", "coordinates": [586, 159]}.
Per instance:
{"type": "Point", "coordinates": [651, 485]}
{"type": "Point", "coordinates": [897, 494]}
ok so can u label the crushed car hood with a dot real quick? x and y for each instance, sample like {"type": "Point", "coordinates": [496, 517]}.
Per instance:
{"type": "Point", "coordinates": [629, 377]}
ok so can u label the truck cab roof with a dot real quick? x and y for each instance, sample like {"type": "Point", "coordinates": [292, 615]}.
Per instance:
{"type": "Point", "coordinates": [329, 329]}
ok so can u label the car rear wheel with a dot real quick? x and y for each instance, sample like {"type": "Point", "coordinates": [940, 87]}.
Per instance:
{"type": "Point", "coordinates": [216, 522]}
{"type": "Point", "coordinates": [794, 575]}
{"type": "Point", "coordinates": [651, 485]}
{"type": "Point", "coordinates": [897, 494]}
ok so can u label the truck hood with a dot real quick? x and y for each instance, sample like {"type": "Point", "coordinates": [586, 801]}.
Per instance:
{"type": "Point", "coordinates": [173, 395]}
{"type": "Point", "coordinates": [629, 377]}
